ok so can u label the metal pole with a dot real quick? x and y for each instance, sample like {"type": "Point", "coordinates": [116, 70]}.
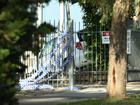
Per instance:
{"type": "Point", "coordinates": [39, 21]}
{"type": "Point", "coordinates": [61, 29]}
{"type": "Point", "coordinates": [71, 49]}
{"type": "Point", "coordinates": [62, 17]}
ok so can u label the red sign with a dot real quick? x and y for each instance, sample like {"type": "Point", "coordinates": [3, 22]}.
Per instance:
{"type": "Point", "coordinates": [106, 33]}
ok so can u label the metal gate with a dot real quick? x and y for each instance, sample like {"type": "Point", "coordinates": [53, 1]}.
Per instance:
{"type": "Point", "coordinates": [90, 59]}
{"type": "Point", "coordinates": [94, 64]}
{"type": "Point", "coordinates": [133, 65]}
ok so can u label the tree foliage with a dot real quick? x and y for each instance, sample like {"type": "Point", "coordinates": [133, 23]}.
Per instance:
{"type": "Point", "coordinates": [97, 13]}
{"type": "Point", "coordinates": [17, 29]}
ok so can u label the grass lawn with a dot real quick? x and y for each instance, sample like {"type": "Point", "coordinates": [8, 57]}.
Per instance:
{"type": "Point", "coordinates": [131, 100]}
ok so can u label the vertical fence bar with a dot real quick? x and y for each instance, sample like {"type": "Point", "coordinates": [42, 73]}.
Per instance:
{"type": "Point", "coordinates": [105, 61]}
{"type": "Point", "coordinates": [100, 68]}
{"type": "Point", "coordinates": [76, 69]}
{"type": "Point", "coordinates": [96, 56]}
{"type": "Point", "coordinates": [92, 59]}
{"type": "Point", "coordinates": [80, 71]}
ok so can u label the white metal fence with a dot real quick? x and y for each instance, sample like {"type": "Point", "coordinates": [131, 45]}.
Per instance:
{"type": "Point", "coordinates": [90, 59]}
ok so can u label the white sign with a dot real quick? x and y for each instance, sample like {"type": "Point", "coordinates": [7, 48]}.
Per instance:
{"type": "Point", "coordinates": [105, 37]}
{"type": "Point", "coordinates": [128, 50]}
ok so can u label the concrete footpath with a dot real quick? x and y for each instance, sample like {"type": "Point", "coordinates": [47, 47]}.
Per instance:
{"type": "Point", "coordinates": [60, 95]}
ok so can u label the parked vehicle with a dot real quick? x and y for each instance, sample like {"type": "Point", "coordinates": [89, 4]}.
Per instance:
{"type": "Point", "coordinates": [80, 51]}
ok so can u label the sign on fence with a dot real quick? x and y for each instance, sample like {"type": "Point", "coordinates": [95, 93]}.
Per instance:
{"type": "Point", "coordinates": [128, 41]}
{"type": "Point", "coordinates": [105, 37]}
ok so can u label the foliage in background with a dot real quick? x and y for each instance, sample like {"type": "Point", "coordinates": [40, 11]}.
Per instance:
{"type": "Point", "coordinates": [95, 21]}
{"type": "Point", "coordinates": [17, 33]}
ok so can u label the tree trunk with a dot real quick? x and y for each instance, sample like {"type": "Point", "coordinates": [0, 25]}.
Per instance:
{"type": "Point", "coordinates": [116, 86]}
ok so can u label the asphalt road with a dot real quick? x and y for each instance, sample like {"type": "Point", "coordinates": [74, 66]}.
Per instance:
{"type": "Point", "coordinates": [55, 98]}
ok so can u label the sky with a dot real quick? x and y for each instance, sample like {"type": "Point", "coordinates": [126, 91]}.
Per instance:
{"type": "Point", "coordinates": [51, 13]}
